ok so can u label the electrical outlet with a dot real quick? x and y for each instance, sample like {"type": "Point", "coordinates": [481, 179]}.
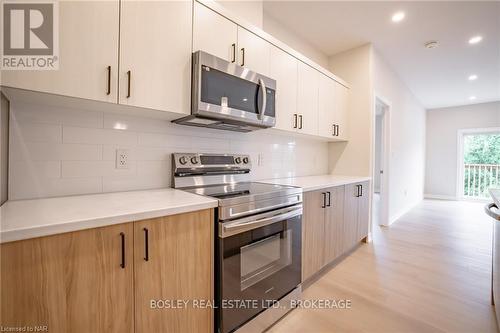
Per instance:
{"type": "Point", "coordinates": [122, 158]}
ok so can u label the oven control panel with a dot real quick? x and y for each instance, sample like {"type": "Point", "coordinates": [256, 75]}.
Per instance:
{"type": "Point", "coordinates": [223, 161]}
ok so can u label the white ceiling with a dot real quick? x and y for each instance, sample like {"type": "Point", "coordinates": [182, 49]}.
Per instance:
{"type": "Point", "coordinates": [437, 77]}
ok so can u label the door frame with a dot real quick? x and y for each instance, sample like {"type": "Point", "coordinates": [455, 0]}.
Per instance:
{"type": "Point", "coordinates": [460, 158]}
{"type": "Point", "coordinates": [384, 218]}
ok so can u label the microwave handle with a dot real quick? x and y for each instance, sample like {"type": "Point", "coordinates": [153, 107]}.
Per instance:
{"type": "Point", "coordinates": [262, 89]}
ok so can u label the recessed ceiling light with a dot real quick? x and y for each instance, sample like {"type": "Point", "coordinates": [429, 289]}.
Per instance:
{"type": "Point", "coordinates": [475, 39]}
{"type": "Point", "coordinates": [472, 77]}
{"type": "Point", "coordinates": [398, 17]}
{"type": "Point", "coordinates": [431, 44]}
{"type": "Point", "coordinates": [472, 98]}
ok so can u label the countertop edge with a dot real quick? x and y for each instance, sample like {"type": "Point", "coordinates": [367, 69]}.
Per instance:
{"type": "Point", "coordinates": [80, 225]}
{"type": "Point", "coordinates": [333, 183]}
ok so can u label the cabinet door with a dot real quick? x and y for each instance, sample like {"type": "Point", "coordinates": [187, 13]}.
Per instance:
{"type": "Point", "coordinates": [326, 106]}
{"type": "Point", "coordinates": [253, 52]}
{"type": "Point", "coordinates": [284, 70]}
{"type": "Point", "coordinates": [173, 259]}
{"type": "Point", "coordinates": [213, 33]}
{"type": "Point", "coordinates": [155, 46]}
{"type": "Point", "coordinates": [307, 99]}
{"type": "Point", "coordinates": [363, 211]}
{"type": "Point", "coordinates": [71, 282]}
{"type": "Point", "coordinates": [341, 111]}
{"type": "Point", "coordinates": [88, 44]}
{"type": "Point", "coordinates": [351, 213]}
{"type": "Point", "coordinates": [334, 224]}
{"type": "Point", "coordinates": [313, 228]}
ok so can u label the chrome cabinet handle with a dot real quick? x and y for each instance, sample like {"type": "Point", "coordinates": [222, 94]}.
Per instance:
{"type": "Point", "coordinates": [129, 77]}
{"type": "Point", "coordinates": [262, 89]}
{"type": "Point", "coordinates": [488, 211]}
{"type": "Point", "coordinates": [108, 92]}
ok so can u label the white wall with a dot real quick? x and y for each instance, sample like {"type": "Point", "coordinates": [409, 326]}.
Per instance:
{"type": "Point", "coordinates": [354, 157]}
{"type": "Point", "coordinates": [274, 28]}
{"type": "Point", "coordinates": [407, 139]}
{"type": "Point", "coordinates": [442, 129]}
{"type": "Point", "coordinates": [56, 151]}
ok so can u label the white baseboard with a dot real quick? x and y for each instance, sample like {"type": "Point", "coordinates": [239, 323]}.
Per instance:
{"type": "Point", "coordinates": [398, 215]}
{"type": "Point", "coordinates": [440, 197]}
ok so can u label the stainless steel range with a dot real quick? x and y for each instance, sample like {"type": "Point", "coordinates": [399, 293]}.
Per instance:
{"type": "Point", "coordinates": [258, 248]}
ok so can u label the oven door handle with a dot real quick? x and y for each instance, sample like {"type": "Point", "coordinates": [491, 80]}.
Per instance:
{"type": "Point", "coordinates": [237, 227]}
{"type": "Point", "coordinates": [262, 88]}
{"type": "Point", "coordinates": [488, 209]}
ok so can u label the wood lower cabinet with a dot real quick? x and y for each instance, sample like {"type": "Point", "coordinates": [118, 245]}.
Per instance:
{"type": "Point", "coordinates": [103, 279]}
{"type": "Point", "coordinates": [323, 224]}
{"type": "Point", "coordinates": [313, 232]}
{"type": "Point", "coordinates": [356, 213]}
{"type": "Point", "coordinates": [173, 261]}
{"type": "Point", "coordinates": [334, 220]}
{"type": "Point", "coordinates": [71, 282]}
{"type": "Point", "coordinates": [334, 224]}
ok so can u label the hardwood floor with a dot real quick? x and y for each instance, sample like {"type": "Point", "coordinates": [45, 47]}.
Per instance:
{"type": "Point", "coordinates": [428, 272]}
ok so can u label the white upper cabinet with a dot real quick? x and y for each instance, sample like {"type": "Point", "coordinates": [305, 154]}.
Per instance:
{"type": "Point", "coordinates": [253, 52]}
{"type": "Point", "coordinates": [214, 34]}
{"type": "Point", "coordinates": [326, 106]}
{"type": "Point", "coordinates": [307, 99]}
{"type": "Point", "coordinates": [283, 68]}
{"type": "Point", "coordinates": [88, 54]}
{"type": "Point", "coordinates": [155, 55]}
{"type": "Point", "coordinates": [333, 101]}
{"type": "Point", "coordinates": [341, 115]}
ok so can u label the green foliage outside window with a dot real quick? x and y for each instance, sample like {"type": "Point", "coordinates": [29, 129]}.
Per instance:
{"type": "Point", "coordinates": [482, 164]}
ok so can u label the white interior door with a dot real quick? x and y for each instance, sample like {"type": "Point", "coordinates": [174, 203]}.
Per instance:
{"type": "Point", "coordinates": [283, 68]}
{"type": "Point", "coordinates": [88, 44]}
{"type": "Point", "coordinates": [214, 34]}
{"type": "Point", "coordinates": [155, 55]}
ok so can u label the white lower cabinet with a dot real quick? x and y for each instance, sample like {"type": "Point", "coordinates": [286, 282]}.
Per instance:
{"type": "Point", "coordinates": [155, 55]}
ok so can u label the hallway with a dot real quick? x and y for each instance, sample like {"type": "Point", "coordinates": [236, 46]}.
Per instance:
{"type": "Point", "coordinates": [429, 272]}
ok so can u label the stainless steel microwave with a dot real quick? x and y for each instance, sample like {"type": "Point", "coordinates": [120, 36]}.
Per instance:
{"type": "Point", "coordinates": [227, 96]}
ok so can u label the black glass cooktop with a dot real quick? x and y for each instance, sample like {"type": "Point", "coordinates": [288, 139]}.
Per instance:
{"type": "Point", "coordinates": [227, 191]}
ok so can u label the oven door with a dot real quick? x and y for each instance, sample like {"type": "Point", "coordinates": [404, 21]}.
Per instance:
{"type": "Point", "coordinates": [260, 262]}
{"type": "Point", "coordinates": [224, 90]}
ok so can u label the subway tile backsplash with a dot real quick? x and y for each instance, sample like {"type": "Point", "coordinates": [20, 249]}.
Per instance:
{"type": "Point", "coordinates": [57, 151]}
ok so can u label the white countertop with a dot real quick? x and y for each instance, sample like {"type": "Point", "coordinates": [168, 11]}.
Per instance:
{"type": "Point", "coordinates": [312, 183]}
{"type": "Point", "coordinates": [25, 219]}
